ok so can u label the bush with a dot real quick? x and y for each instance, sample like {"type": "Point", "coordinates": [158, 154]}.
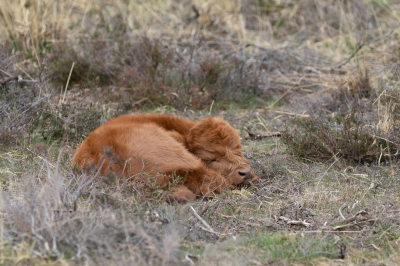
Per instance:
{"type": "Point", "coordinates": [28, 109]}
{"type": "Point", "coordinates": [321, 138]}
{"type": "Point", "coordinates": [158, 74]}
{"type": "Point", "coordinates": [63, 218]}
{"type": "Point", "coordinates": [73, 123]}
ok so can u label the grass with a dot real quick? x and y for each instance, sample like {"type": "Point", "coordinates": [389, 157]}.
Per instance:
{"type": "Point", "coordinates": [288, 247]}
{"type": "Point", "coordinates": [268, 66]}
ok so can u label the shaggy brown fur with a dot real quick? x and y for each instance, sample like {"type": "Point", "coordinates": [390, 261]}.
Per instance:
{"type": "Point", "coordinates": [207, 154]}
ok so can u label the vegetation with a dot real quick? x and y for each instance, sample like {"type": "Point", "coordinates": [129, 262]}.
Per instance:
{"type": "Point", "coordinates": [324, 74]}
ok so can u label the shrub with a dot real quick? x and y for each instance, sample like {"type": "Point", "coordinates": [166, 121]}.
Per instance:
{"type": "Point", "coordinates": [73, 123]}
{"type": "Point", "coordinates": [62, 217]}
{"type": "Point", "coordinates": [28, 108]}
{"type": "Point", "coordinates": [320, 138]}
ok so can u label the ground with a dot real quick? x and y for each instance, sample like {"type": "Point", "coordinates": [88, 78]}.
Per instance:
{"type": "Point", "coordinates": [311, 85]}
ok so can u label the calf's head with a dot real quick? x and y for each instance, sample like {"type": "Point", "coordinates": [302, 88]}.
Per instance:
{"type": "Point", "coordinates": [217, 144]}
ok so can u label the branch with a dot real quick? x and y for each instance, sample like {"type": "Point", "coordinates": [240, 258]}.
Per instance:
{"type": "Point", "coordinates": [4, 81]}
{"type": "Point", "coordinates": [295, 222]}
{"type": "Point", "coordinates": [253, 136]}
{"type": "Point", "coordinates": [208, 227]}
{"type": "Point", "coordinates": [201, 219]}
{"type": "Point", "coordinates": [341, 209]}
{"type": "Point", "coordinates": [369, 245]}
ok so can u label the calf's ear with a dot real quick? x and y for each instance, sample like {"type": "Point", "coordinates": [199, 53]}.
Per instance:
{"type": "Point", "coordinates": [189, 139]}
{"type": "Point", "coordinates": [198, 130]}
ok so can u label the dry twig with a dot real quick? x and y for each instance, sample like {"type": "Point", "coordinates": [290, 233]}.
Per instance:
{"type": "Point", "coordinates": [341, 209]}
{"type": "Point", "coordinates": [253, 136]}
{"type": "Point", "coordinates": [369, 245]}
{"type": "Point", "coordinates": [208, 227]}
{"type": "Point", "coordinates": [363, 212]}
{"type": "Point", "coordinates": [4, 81]}
{"type": "Point", "coordinates": [353, 224]}
{"type": "Point", "coordinates": [201, 219]}
{"type": "Point", "coordinates": [295, 222]}
{"type": "Point", "coordinates": [288, 113]}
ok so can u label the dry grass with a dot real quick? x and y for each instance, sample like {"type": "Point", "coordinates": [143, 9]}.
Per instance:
{"type": "Point", "coordinates": [326, 196]}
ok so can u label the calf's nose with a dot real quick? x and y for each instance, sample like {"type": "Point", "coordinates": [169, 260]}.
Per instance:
{"type": "Point", "coordinates": [246, 174]}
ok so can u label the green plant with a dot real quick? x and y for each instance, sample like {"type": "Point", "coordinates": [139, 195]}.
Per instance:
{"type": "Point", "coordinates": [285, 247]}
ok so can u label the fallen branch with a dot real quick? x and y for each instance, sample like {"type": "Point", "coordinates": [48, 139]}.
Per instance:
{"type": "Point", "coordinates": [352, 219]}
{"type": "Point", "coordinates": [341, 209]}
{"type": "Point", "coordinates": [253, 136]}
{"type": "Point", "coordinates": [208, 227]}
{"type": "Point", "coordinates": [369, 245]}
{"type": "Point", "coordinates": [8, 74]}
{"type": "Point", "coordinates": [287, 113]}
{"type": "Point", "coordinates": [190, 258]}
{"type": "Point", "coordinates": [201, 219]}
{"type": "Point", "coordinates": [6, 80]}
{"type": "Point", "coordinates": [353, 224]}
{"type": "Point", "coordinates": [363, 212]}
{"type": "Point", "coordinates": [295, 222]}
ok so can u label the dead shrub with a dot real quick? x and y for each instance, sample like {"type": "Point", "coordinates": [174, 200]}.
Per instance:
{"type": "Point", "coordinates": [28, 115]}
{"type": "Point", "coordinates": [356, 87]}
{"type": "Point", "coordinates": [149, 59]}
